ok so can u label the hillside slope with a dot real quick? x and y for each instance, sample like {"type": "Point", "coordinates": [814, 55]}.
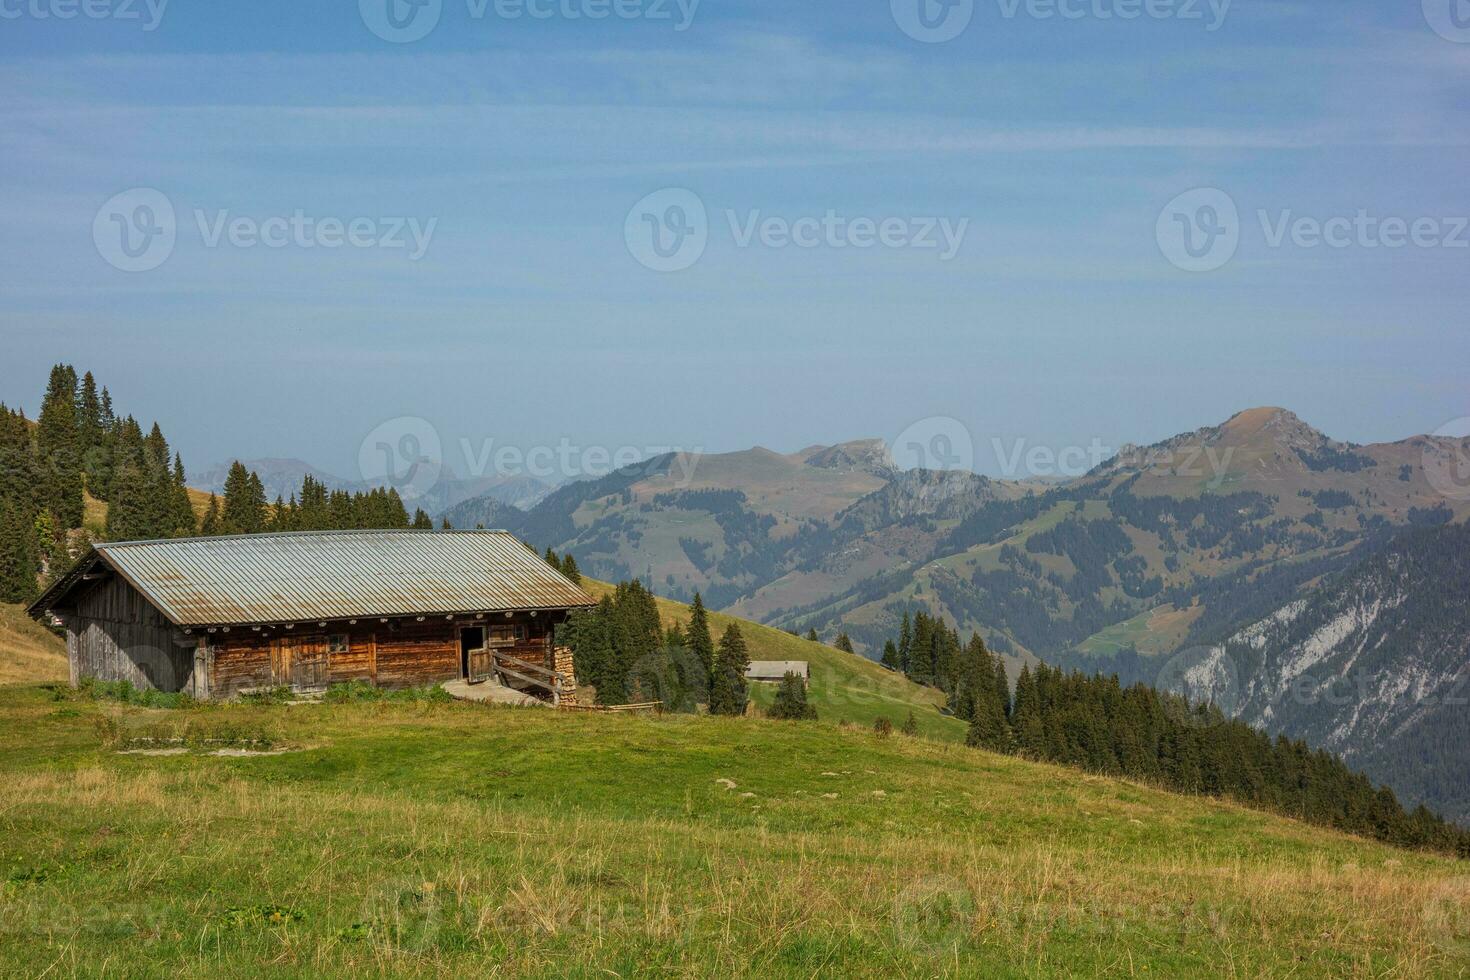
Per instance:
{"type": "Point", "coordinates": [1373, 665]}
{"type": "Point", "coordinates": [843, 686]}
{"type": "Point", "coordinates": [442, 840]}
{"type": "Point", "coordinates": [29, 653]}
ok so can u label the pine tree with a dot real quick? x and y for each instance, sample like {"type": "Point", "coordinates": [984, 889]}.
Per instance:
{"type": "Point", "coordinates": [395, 515]}
{"type": "Point", "coordinates": [20, 471]}
{"type": "Point", "coordinates": [906, 645]}
{"type": "Point", "coordinates": [570, 570]}
{"type": "Point", "coordinates": [182, 517]}
{"type": "Point", "coordinates": [131, 515]}
{"type": "Point", "coordinates": [844, 643]}
{"type": "Point", "coordinates": [243, 511]}
{"type": "Point", "coordinates": [701, 644]}
{"type": "Point", "coordinates": [19, 561]}
{"type": "Point", "coordinates": [890, 656]}
{"type": "Point", "coordinates": [921, 650]}
{"type": "Point", "coordinates": [57, 441]}
{"type": "Point", "coordinates": [1002, 686]}
{"type": "Point", "coordinates": [422, 521]}
{"type": "Point", "coordinates": [1027, 716]}
{"type": "Point", "coordinates": [91, 435]}
{"type": "Point", "coordinates": [552, 559]}
{"type": "Point", "coordinates": [590, 635]}
{"type": "Point", "coordinates": [209, 524]}
{"type": "Point", "coordinates": [812, 636]}
{"type": "Point", "coordinates": [728, 692]}
{"type": "Point", "coordinates": [988, 729]}
{"type": "Point", "coordinates": [790, 702]}
{"type": "Point", "coordinates": [49, 543]}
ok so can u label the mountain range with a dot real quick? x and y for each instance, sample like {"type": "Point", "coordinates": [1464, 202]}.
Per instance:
{"type": "Point", "coordinates": [1372, 664]}
{"type": "Point", "coordinates": [1162, 550]}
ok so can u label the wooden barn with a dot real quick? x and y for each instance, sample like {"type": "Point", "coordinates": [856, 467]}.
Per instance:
{"type": "Point", "coordinates": [217, 617]}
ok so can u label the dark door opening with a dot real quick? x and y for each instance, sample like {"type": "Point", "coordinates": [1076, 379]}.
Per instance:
{"type": "Point", "coordinates": [471, 640]}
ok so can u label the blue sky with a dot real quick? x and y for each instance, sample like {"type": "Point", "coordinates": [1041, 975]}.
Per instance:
{"type": "Point", "coordinates": [524, 142]}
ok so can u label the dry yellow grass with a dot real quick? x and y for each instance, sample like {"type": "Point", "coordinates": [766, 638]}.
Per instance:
{"type": "Point", "coordinates": [29, 653]}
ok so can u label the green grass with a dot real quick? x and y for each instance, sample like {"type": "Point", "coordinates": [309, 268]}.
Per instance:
{"type": "Point", "coordinates": [1152, 632]}
{"type": "Point", "coordinates": [843, 686]}
{"type": "Point", "coordinates": [427, 839]}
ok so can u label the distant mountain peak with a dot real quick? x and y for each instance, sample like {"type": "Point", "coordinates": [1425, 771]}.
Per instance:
{"type": "Point", "coordinates": [862, 454]}
{"type": "Point", "coordinates": [1257, 440]}
{"type": "Point", "coordinates": [1278, 425]}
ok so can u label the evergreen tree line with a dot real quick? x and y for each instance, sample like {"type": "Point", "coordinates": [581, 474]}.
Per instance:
{"type": "Point", "coordinates": [1094, 723]}
{"type": "Point", "coordinates": [78, 445]}
{"type": "Point", "coordinates": [243, 509]}
{"type": "Point", "coordinates": [623, 650]}
{"type": "Point", "coordinates": [927, 652]}
{"type": "Point", "coordinates": [565, 564]}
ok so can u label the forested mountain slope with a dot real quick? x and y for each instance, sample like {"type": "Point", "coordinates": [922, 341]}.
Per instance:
{"type": "Point", "coordinates": [1374, 665]}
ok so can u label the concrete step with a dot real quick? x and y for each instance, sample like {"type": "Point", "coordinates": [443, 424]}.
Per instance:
{"type": "Point", "coordinates": [491, 692]}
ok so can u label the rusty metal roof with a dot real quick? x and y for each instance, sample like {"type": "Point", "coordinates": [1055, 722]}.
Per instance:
{"type": "Point", "coordinates": [306, 576]}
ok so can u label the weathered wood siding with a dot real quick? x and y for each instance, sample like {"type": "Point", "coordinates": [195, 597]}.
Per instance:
{"type": "Point", "coordinates": [401, 653]}
{"type": "Point", "coordinates": [114, 634]}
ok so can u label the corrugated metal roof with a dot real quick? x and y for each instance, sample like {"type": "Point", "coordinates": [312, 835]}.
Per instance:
{"type": "Point", "coordinates": [309, 576]}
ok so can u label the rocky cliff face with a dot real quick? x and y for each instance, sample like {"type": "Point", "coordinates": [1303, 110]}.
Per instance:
{"type": "Point", "coordinates": [1373, 665]}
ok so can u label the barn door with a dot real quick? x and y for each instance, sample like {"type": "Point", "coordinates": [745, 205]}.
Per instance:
{"type": "Point", "coordinates": [479, 661]}
{"type": "Point", "coordinates": [309, 664]}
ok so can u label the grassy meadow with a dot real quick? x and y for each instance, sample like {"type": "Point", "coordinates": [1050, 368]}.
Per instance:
{"type": "Point", "coordinates": [843, 686]}
{"type": "Point", "coordinates": [435, 839]}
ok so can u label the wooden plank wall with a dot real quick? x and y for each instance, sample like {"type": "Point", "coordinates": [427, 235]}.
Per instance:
{"type": "Point", "coordinates": [114, 634]}
{"type": "Point", "coordinates": [402, 653]}
{"type": "Point", "coordinates": [241, 662]}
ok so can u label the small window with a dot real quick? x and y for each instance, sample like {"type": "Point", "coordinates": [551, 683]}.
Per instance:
{"type": "Point", "coordinates": [508, 635]}
{"type": "Point", "coordinates": [337, 643]}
